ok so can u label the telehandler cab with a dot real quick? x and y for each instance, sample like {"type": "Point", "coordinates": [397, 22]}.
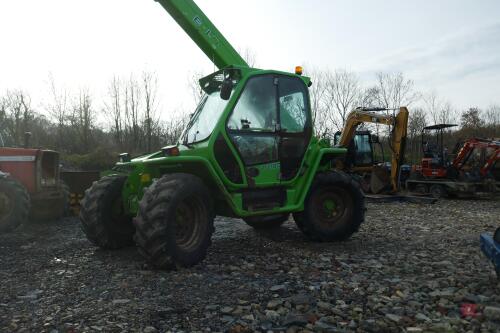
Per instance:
{"type": "Point", "coordinates": [248, 152]}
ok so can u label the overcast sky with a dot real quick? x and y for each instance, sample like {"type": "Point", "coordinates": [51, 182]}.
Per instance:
{"type": "Point", "coordinates": [450, 46]}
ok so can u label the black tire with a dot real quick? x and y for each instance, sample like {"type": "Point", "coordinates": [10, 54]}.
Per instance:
{"type": "Point", "coordinates": [102, 216]}
{"type": "Point", "coordinates": [14, 203]}
{"type": "Point", "coordinates": [340, 190]}
{"type": "Point", "coordinates": [160, 236]}
{"type": "Point", "coordinates": [438, 191]}
{"type": "Point", "coordinates": [266, 222]}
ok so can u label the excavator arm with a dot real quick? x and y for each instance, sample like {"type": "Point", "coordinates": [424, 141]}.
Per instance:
{"type": "Point", "coordinates": [203, 32]}
{"type": "Point", "coordinates": [397, 142]}
{"type": "Point", "coordinates": [469, 146]}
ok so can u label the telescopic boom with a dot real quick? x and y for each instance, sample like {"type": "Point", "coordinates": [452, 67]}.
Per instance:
{"type": "Point", "coordinates": [202, 31]}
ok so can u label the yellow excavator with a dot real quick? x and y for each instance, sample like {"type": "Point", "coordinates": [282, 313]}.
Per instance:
{"type": "Point", "coordinates": [360, 157]}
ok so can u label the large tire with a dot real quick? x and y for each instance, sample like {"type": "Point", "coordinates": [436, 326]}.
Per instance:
{"type": "Point", "coordinates": [266, 222]}
{"type": "Point", "coordinates": [14, 203]}
{"type": "Point", "coordinates": [334, 208]}
{"type": "Point", "coordinates": [175, 222]}
{"type": "Point", "coordinates": [102, 214]}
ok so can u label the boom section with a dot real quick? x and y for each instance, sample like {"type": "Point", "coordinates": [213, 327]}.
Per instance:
{"type": "Point", "coordinates": [203, 32]}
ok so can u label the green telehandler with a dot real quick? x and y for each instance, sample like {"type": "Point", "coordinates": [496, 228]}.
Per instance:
{"type": "Point", "coordinates": [248, 152]}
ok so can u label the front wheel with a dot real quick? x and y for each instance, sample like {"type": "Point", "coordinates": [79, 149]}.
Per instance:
{"type": "Point", "coordinates": [334, 208]}
{"type": "Point", "coordinates": [102, 215]}
{"type": "Point", "coordinates": [14, 203]}
{"type": "Point", "coordinates": [175, 221]}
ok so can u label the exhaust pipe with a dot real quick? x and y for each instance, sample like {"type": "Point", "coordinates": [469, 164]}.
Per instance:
{"type": "Point", "coordinates": [27, 139]}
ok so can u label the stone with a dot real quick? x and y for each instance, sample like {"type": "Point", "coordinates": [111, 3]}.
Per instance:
{"type": "Point", "coordinates": [120, 301]}
{"type": "Point", "coordinates": [278, 287]}
{"type": "Point", "coordinates": [226, 310]}
{"type": "Point", "coordinates": [393, 317]}
{"type": "Point", "coordinates": [492, 313]}
{"type": "Point", "coordinates": [422, 317]}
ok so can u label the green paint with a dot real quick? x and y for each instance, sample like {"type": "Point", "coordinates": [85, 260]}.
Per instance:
{"type": "Point", "coordinates": [198, 148]}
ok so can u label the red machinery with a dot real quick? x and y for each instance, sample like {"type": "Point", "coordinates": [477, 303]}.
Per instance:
{"type": "Point", "coordinates": [473, 169]}
{"type": "Point", "coordinates": [29, 186]}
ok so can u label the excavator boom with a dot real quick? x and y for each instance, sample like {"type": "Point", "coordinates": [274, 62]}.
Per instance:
{"type": "Point", "coordinates": [399, 125]}
{"type": "Point", "coordinates": [203, 32]}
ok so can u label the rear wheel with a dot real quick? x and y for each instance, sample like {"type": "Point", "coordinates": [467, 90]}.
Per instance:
{"type": "Point", "coordinates": [266, 222]}
{"type": "Point", "coordinates": [334, 208]}
{"type": "Point", "coordinates": [175, 221]}
{"type": "Point", "coordinates": [102, 214]}
{"type": "Point", "coordinates": [438, 191]}
{"type": "Point", "coordinates": [14, 203]}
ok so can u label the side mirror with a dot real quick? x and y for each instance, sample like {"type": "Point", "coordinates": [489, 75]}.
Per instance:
{"type": "Point", "coordinates": [226, 89]}
{"type": "Point", "coordinates": [375, 139]}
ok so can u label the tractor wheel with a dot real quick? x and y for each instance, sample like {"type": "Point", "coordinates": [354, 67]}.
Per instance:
{"type": "Point", "coordinates": [14, 204]}
{"type": "Point", "coordinates": [175, 222]}
{"type": "Point", "coordinates": [102, 214]}
{"type": "Point", "coordinates": [438, 191]}
{"type": "Point", "coordinates": [266, 222]}
{"type": "Point", "coordinates": [334, 208]}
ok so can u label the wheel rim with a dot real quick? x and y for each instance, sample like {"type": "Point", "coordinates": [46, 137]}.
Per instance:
{"type": "Point", "coordinates": [6, 206]}
{"type": "Point", "coordinates": [189, 226]}
{"type": "Point", "coordinates": [331, 205]}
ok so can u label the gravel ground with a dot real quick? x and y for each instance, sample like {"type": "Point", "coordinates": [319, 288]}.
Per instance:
{"type": "Point", "coordinates": [409, 269]}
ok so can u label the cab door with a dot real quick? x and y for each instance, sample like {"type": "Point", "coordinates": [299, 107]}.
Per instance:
{"type": "Point", "coordinates": [270, 128]}
{"type": "Point", "coordinates": [295, 125]}
{"type": "Point", "coordinates": [253, 129]}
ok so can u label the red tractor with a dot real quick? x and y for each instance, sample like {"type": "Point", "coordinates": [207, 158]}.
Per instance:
{"type": "Point", "coordinates": [30, 187]}
{"type": "Point", "coordinates": [471, 168]}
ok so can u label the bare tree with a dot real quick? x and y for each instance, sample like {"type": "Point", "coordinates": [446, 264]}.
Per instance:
{"type": "Point", "coordinates": [17, 107]}
{"type": "Point", "coordinates": [342, 94]}
{"type": "Point", "coordinates": [492, 115]}
{"type": "Point", "coordinates": [194, 86]}
{"type": "Point", "coordinates": [82, 120]}
{"type": "Point", "coordinates": [319, 108]}
{"type": "Point", "coordinates": [250, 57]}
{"type": "Point", "coordinates": [416, 124]}
{"type": "Point", "coordinates": [58, 110]}
{"type": "Point", "coordinates": [114, 110]}
{"type": "Point", "coordinates": [394, 90]}
{"type": "Point", "coordinates": [150, 90]}
{"type": "Point", "coordinates": [132, 96]}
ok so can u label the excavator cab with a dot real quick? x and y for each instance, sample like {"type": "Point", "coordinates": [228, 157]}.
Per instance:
{"type": "Point", "coordinates": [361, 150]}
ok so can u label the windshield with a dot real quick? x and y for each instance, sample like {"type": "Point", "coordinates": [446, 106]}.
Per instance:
{"type": "Point", "coordinates": [205, 118]}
